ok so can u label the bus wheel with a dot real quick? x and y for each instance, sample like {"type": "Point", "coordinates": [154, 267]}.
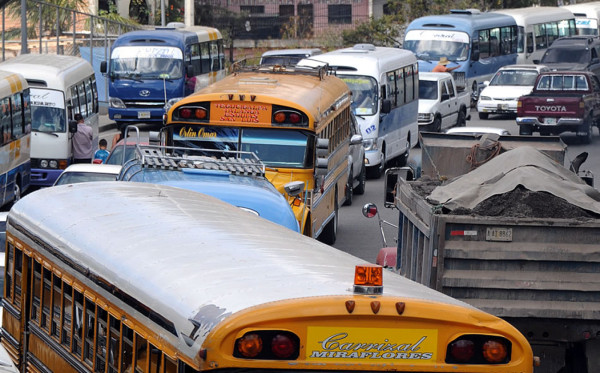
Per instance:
{"type": "Point", "coordinates": [349, 190]}
{"type": "Point", "coordinates": [360, 188]}
{"type": "Point", "coordinates": [329, 233]}
{"type": "Point", "coordinates": [376, 172]}
{"type": "Point", "coordinates": [17, 192]}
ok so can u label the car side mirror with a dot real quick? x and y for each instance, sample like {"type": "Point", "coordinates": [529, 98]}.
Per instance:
{"type": "Point", "coordinates": [475, 55]}
{"type": "Point", "coordinates": [445, 96]}
{"type": "Point", "coordinates": [536, 62]}
{"type": "Point", "coordinates": [72, 126]}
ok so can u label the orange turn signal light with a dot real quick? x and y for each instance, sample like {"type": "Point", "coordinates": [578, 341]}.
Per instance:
{"type": "Point", "coordinates": [494, 351]}
{"type": "Point", "coordinates": [368, 275]}
{"type": "Point", "coordinates": [250, 345]}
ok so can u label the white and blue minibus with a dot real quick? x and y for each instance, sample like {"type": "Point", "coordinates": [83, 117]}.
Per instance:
{"type": "Point", "coordinates": [587, 17]}
{"type": "Point", "coordinates": [538, 27]}
{"type": "Point", "coordinates": [479, 42]}
{"type": "Point", "coordinates": [149, 70]}
{"type": "Point", "coordinates": [15, 132]}
{"type": "Point", "coordinates": [385, 98]}
{"type": "Point", "coordinates": [61, 86]}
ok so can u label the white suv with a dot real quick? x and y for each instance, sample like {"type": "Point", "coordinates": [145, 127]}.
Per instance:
{"type": "Point", "coordinates": [510, 82]}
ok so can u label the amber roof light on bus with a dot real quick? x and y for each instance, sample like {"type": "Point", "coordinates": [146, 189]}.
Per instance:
{"type": "Point", "coordinates": [479, 349]}
{"type": "Point", "coordinates": [250, 345]}
{"type": "Point", "coordinates": [368, 279]}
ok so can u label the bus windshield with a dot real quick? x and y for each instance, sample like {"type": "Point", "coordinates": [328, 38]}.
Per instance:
{"type": "Point", "coordinates": [364, 93]}
{"type": "Point", "coordinates": [149, 63]}
{"type": "Point", "coordinates": [431, 45]}
{"type": "Point", "coordinates": [47, 110]}
{"type": "Point", "coordinates": [274, 147]}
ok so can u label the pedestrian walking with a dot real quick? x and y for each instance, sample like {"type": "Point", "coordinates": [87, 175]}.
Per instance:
{"type": "Point", "coordinates": [82, 141]}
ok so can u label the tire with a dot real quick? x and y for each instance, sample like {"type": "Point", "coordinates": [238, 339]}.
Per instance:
{"type": "Point", "coordinates": [403, 159]}
{"type": "Point", "coordinates": [588, 137]}
{"type": "Point", "coordinates": [461, 121]}
{"type": "Point", "coordinates": [483, 115]}
{"type": "Point", "coordinates": [376, 172]}
{"type": "Point", "coordinates": [362, 181]}
{"type": "Point", "coordinates": [17, 192]}
{"type": "Point", "coordinates": [525, 129]}
{"type": "Point", "coordinates": [329, 233]}
{"type": "Point", "coordinates": [436, 126]}
{"type": "Point", "coordinates": [349, 190]}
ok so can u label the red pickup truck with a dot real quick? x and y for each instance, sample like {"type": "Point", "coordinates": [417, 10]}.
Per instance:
{"type": "Point", "coordinates": [561, 101]}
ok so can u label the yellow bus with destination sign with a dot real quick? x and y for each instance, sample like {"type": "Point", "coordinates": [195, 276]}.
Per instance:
{"type": "Point", "coordinates": [296, 120]}
{"type": "Point", "coordinates": [173, 281]}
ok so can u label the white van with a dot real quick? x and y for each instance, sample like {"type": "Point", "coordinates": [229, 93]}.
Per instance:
{"type": "Point", "coordinates": [587, 17]}
{"type": "Point", "coordinates": [385, 98]}
{"type": "Point", "coordinates": [60, 87]}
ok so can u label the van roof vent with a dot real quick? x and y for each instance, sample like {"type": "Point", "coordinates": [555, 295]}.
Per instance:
{"type": "Point", "coordinates": [364, 47]}
{"type": "Point", "coordinates": [465, 11]}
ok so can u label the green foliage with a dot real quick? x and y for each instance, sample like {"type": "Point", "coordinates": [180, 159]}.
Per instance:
{"type": "Point", "coordinates": [383, 32]}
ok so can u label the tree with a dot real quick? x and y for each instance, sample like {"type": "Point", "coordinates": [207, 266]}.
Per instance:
{"type": "Point", "coordinates": [51, 14]}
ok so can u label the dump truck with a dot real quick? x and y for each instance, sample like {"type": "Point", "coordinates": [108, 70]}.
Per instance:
{"type": "Point", "coordinates": [511, 231]}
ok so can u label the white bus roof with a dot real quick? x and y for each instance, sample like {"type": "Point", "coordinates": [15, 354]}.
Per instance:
{"type": "Point", "coordinates": [537, 14]}
{"type": "Point", "coordinates": [51, 70]}
{"type": "Point", "coordinates": [587, 10]}
{"type": "Point", "coordinates": [364, 59]}
{"type": "Point", "coordinates": [187, 255]}
{"type": "Point", "coordinates": [11, 83]}
{"type": "Point", "coordinates": [305, 52]}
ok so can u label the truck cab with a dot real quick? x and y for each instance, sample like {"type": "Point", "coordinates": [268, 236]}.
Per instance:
{"type": "Point", "coordinates": [441, 104]}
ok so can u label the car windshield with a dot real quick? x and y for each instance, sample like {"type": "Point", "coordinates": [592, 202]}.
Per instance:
{"type": "Point", "coordinates": [116, 154]}
{"type": "Point", "coordinates": [274, 147]}
{"type": "Point", "coordinates": [364, 93]}
{"type": "Point", "coordinates": [566, 55]}
{"type": "Point", "coordinates": [83, 177]}
{"type": "Point", "coordinates": [428, 90]}
{"type": "Point", "coordinates": [514, 77]}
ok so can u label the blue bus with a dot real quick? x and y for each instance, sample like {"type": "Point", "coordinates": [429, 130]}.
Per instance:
{"type": "Point", "coordinates": [479, 42]}
{"type": "Point", "coordinates": [149, 70]}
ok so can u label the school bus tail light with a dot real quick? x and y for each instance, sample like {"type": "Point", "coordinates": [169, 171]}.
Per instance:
{"type": "Point", "coordinates": [267, 345]}
{"type": "Point", "coordinates": [196, 112]}
{"type": "Point", "coordinates": [478, 349]}
{"type": "Point", "coordinates": [284, 116]}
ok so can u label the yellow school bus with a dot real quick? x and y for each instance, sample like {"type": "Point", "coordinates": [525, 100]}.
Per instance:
{"type": "Point", "coordinates": [121, 277]}
{"type": "Point", "coordinates": [296, 120]}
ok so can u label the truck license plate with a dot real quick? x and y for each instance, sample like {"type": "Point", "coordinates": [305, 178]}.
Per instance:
{"type": "Point", "coordinates": [498, 234]}
{"type": "Point", "coordinates": [143, 115]}
{"type": "Point", "coordinates": [549, 120]}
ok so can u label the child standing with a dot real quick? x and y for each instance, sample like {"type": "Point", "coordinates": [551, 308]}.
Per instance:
{"type": "Point", "coordinates": [101, 154]}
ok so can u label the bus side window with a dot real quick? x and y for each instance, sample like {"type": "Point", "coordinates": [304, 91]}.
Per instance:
{"type": "Point", "coordinates": [141, 354]}
{"type": "Point", "coordinates": [126, 350]}
{"type": "Point", "coordinates": [36, 293]}
{"type": "Point", "coordinates": [114, 333]}
{"type": "Point", "coordinates": [88, 343]}
{"type": "Point", "coordinates": [402, 85]}
{"type": "Point", "coordinates": [74, 101]}
{"type": "Point", "coordinates": [214, 56]}
{"type": "Point", "coordinates": [530, 42]}
{"type": "Point", "coordinates": [82, 100]}
{"type": "Point", "coordinates": [484, 43]}
{"type": "Point", "coordinates": [46, 298]}
{"type": "Point", "coordinates": [77, 324]}
{"type": "Point", "coordinates": [5, 121]}
{"type": "Point", "coordinates": [205, 55]}
{"type": "Point", "coordinates": [65, 339]}
{"type": "Point", "coordinates": [89, 96]}
{"type": "Point", "coordinates": [196, 60]}
{"type": "Point", "coordinates": [540, 36]}
{"type": "Point", "coordinates": [27, 111]}
{"type": "Point", "coordinates": [409, 78]}
{"type": "Point", "coordinates": [101, 335]}
{"type": "Point", "coordinates": [17, 115]}
{"type": "Point", "coordinates": [95, 93]}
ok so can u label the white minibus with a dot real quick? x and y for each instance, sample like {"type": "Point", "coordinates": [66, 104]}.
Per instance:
{"type": "Point", "coordinates": [385, 98]}
{"type": "Point", "coordinates": [538, 27]}
{"type": "Point", "coordinates": [587, 17]}
{"type": "Point", "coordinates": [60, 87]}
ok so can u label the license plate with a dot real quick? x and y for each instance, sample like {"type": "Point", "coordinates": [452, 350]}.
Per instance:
{"type": "Point", "coordinates": [549, 120]}
{"type": "Point", "coordinates": [498, 234]}
{"type": "Point", "coordinates": [143, 115]}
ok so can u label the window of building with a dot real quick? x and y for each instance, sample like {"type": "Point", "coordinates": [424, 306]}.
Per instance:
{"type": "Point", "coordinates": [339, 14]}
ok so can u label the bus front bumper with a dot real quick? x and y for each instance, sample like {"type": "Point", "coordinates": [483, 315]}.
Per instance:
{"type": "Point", "coordinates": [130, 115]}
{"type": "Point", "coordinates": [44, 177]}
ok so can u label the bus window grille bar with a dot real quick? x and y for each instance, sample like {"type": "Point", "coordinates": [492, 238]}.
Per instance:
{"type": "Point", "coordinates": [166, 157]}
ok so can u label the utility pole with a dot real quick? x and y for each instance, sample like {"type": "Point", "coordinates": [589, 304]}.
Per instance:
{"type": "Point", "coordinates": [24, 49]}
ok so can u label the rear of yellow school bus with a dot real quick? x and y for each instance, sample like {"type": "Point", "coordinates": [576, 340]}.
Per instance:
{"type": "Point", "coordinates": [201, 285]}
{"type": "Point", "coordinates": [297, 121]}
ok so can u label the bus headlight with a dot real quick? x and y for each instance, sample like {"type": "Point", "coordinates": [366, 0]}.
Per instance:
{"type": "Point", "coordinates": [44, 163]}
{"type": "Point", "coordinates": [53, 164]}
{"type": "Point", "coordinates": [171, 102]}
{"type": "Point", "coordinates": [116, 103]}
{"type": "Point", "coordinates": [369, 144]}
